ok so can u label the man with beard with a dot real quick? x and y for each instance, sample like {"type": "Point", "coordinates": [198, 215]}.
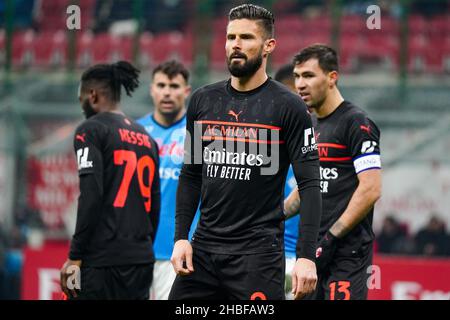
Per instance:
{"type": "Point", "coordinates": [118, 208]}
{"type": "Point", "coordinates": [349, 149]}
{"type": "Point", "coordinates": [242, 135]}
{"type": "Point", "coordinates": [167, 124]}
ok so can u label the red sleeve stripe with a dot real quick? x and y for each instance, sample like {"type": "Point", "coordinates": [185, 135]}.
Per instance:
{"type": "Point", "coordinates": [326, 159]}
{"type": "Point", "coordinates": [331, 145]}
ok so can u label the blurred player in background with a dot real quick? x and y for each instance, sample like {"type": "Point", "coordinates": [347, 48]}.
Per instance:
{"type": "Point", "coordinates": [349, 148]}
{"type": "Point", "coordinates": [286, 77]}
{"type": "Point", "coordinates": [237, 130]}
{"type": "Point", "coordinates": [119, 203]}
{"type": "Point", "coordinates": [167, 125]}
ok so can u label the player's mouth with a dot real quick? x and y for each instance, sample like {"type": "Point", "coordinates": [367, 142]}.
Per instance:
{"type": "Point", "coordinates": [167, 103]}
{"type": "Point", "coordinates": [237, 56]}
{"type": "Point", "coordinates": [305, 96]}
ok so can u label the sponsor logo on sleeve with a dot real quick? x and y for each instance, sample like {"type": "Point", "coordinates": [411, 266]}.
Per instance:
{"type": "Point", "coordinates": [310, 141]}
{"type": "Point", "coordinates": [368, 147]}
{"type": "Point", "coordinates": [82, 159]}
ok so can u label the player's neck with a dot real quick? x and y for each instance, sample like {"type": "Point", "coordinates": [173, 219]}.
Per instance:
{"type": "Point", "coordinates": [333, 100]}
{"type": "Point", "coordinates": [115, 108]}
{"type": "Point", "coordinates": [168, 120]}
{"type": "Point", "coordinates": [249, 83]}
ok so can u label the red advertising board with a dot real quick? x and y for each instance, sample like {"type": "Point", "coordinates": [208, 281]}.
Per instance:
{"type": "Point", "coordinates": [52, 187]}
{"type": "Point", "coordinates": [406, 278]}
{"type": "Point", "coordinates": [40, 277]}
{"type": "Point", "coordinates": [395, 278]}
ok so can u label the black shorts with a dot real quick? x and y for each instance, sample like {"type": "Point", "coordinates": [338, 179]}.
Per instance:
{"type": "Point", "coordinates": [130, 282]}
{"type": "Point", "coordinates": [232, 277]}
{"type": "Point", "coordinates": [345, 278]}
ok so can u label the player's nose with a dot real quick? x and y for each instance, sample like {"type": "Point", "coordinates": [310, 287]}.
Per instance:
{"type": "Point", "coordinates": [166, 91]}
{"type": "Point", "coordinates": [300, 84]}
{"type": "Point", "coordinates": [236, 44]}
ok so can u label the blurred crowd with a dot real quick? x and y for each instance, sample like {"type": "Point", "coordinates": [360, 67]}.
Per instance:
{"type": "Point", "coordinates": [431, 240]}
{"type": "Point", "coordinates": [153, 31]}
{"type": "Point", "coordinates": [163, 15]}
{"type": "Point", "coordinates": [157, 15]}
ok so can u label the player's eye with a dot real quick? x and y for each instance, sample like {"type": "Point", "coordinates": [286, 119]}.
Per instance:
{"type": "Point", "coordinates": [174, 86]}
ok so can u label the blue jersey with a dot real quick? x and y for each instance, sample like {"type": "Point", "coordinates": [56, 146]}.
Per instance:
{"type": "Point", "coordinates": [291, 225]}
{"type": "Point", "coordinates": [170, 141]}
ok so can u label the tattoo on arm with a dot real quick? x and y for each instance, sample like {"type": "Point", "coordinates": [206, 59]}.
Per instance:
{"type": "Point", "coordinates": [295, 206]}
{"type": "Point", "coordinates": [291, 208]}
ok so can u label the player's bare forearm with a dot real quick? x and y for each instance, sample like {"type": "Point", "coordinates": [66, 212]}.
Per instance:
{"type": "Point", "coordinates": [292, 204]}
{"type": "Point", "coordinates": [363, 199]}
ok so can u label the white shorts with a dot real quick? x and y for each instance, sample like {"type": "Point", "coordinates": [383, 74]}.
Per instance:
{"type": "Point", "coordinates": [163, 277]}
{"type": "Point", "coordinates": [290, 263]}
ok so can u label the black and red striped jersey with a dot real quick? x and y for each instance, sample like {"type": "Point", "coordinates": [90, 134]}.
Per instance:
{"type": "Point", "coordinates": [119, 203]}
{"type": "Point", "coordinates": [349, 143]}
{"type": "Point", "coordinates": [241, 146]}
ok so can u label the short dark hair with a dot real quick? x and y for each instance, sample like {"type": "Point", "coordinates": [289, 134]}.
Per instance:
{"type": "Point", "coordinates": [254, 12]}
{"type": "Point", "coordinates": [172, 68]}
{"type": "Point", "coordinates": [112, 77]}
{"type": "Point", "coordinates": [327, 57]}
{"type": "Point", "coordinates": [285, 73]}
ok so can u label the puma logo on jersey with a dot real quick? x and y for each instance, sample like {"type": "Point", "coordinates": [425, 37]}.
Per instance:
{"type": "Point", "coordinates": [365, 128]}
{"type": "Point", "coordinates": [233, 114]}
{"type": "Point", "coordinates": [81, 137]}
{"type": "Point", "coordinates": [82, 159]}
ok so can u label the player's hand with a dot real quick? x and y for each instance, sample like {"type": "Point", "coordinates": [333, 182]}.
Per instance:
{"type": "Point", "coordinates": [325, 250]}
{"type": "Point", "coordinates": [182, 258]}
{"type": "Point", "coordinates": [68, 270]}
{"type": "Point", "coordinates": [304, 278]}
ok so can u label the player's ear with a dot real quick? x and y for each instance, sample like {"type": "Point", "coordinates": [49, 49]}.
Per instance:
{"type": "Point", "coordinates": [187, 91]}
{"type": "Point", "coordinates": [269, 46]}
{"type": "Point", "coordinates": [152, 90]}
{"type": "Point", "coordinates": [333, 77]}
{"type": "Point", "coordinates": [93, 96]}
